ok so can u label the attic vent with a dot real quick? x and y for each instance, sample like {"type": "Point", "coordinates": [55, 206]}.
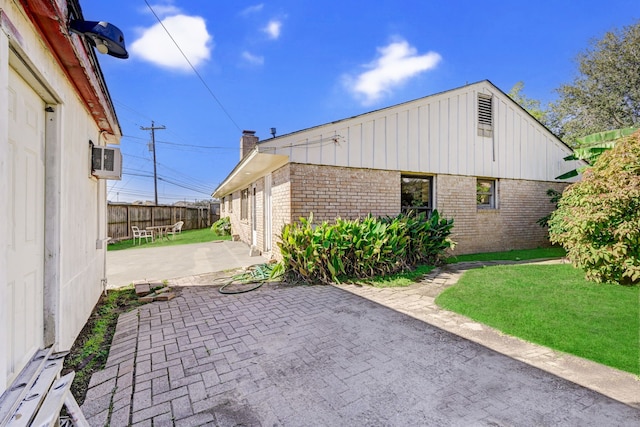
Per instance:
{"type": "Point", "coordinates": [485, 115]}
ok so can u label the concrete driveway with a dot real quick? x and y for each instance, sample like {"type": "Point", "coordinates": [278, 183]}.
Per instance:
{"type": "Point", "coordinates": [169, 262]}
{"type": "Point", "coordinates": [324, 356]}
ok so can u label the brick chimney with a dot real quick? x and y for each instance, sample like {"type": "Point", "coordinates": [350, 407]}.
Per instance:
{"type": "Point", "coordinates": [248, 142]}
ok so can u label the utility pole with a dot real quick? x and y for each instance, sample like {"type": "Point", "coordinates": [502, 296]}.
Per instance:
{"type": "Point", "coordinates": [153, 145]}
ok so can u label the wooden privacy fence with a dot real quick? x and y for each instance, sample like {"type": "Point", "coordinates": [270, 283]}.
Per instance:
{"type": "Point", "coordinates": [122, 217]}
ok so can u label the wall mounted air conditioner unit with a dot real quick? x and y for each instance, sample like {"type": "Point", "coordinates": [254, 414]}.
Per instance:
{"type": "Point", "coordinates": [106, 162]}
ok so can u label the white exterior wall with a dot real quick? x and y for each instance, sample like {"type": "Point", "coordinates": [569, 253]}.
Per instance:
{"type": "Point", "coordinates": [83, 207]}
{"type": "Point", "coordinates": [436, 134]}
{"type": "Point", "coordinates": [75, 202]}
{"type": "Point", "coordinates": [4, 195]}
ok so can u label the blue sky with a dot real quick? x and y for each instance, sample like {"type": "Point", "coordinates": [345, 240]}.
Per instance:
{"type": "Point", "coordinates": [293, 64]}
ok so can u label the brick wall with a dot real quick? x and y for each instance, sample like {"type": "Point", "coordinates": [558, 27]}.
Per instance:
{"type": "Point", "coordinates": [259, 212]}
{"type": "Point", "coordinates": [331, 192]}
{"type": "Point", "coordinates": [239, 227]}
{"type": "Point", "coordinates": [511, 226]}
{"type": "Point", "coordinates": [281, 204]}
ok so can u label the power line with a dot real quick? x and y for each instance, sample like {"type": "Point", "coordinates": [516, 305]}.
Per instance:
{"type": "Point", "coordinates": [177, 183]}
{"type": "Point", "coordinates": [189, 179]}
{"type": "Point", "coordinates": [197, 146]}
{"type": "Point", "coordinates": [180, 144]}
{"type": "Point", "coordinates": [193, 68]}
{"type": "Point", "coordinates": [184, 186]}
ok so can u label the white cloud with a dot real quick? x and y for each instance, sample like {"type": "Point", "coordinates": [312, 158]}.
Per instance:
{"type": "Point", "coordinates": [397, 63]}
{"type": "Point", "coordinates": [253, 59]}
{"type": "Point", "coordinates": [165, 9]}
{"type": "Point", "coordinates": [252, 9]}
{"type": "Point", "coordinates": [273, 29]}
{"type": "Point", "coordinates": [189, 32]}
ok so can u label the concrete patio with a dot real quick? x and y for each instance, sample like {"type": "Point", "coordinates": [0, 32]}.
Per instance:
{"type": "Point", "coordinates": [169, 262]}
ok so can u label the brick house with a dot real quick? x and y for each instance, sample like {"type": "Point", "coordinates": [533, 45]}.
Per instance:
{"type": "Point", "coordinates": [472, 153]}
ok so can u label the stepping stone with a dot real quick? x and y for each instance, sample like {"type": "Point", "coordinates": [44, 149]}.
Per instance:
{"type": "Point", "coordinates": [156, 285]}
{"type": "Point", "coordinates": [166, 296]}
{"type": "Point", "coordinates": [148, 298]}
{"type": "Point", "coordinates": [143, 289]}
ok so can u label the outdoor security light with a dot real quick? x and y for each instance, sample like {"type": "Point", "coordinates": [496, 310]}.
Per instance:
{"type": "Point", "coordinates": [105, 37]}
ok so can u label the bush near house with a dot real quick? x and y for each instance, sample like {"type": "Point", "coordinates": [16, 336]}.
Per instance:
{"type": "Point", "coordinates": [222, 227]}
{"type": "Point", "coordinates": [361, 248]}
{"type": "Point", "coordinates": [598, 218]}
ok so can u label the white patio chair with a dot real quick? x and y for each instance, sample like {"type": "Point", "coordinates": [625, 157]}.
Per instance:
{"type": "Point", "coordinates": [176, 229]}
{"type": "Point", "coordinates": [139, 234]}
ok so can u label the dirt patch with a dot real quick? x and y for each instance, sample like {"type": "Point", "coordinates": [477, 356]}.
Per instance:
{"type": "Point", "coordinates": [91, 348]}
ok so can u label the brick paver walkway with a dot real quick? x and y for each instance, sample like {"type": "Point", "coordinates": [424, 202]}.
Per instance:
{"type": "Point", "coordinates": [321, 356]}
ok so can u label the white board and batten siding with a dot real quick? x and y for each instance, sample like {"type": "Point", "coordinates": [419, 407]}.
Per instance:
{"type": "Point", "coordinates": [434, 135]}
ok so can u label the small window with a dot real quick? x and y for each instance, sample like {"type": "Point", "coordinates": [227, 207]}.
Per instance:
{"type": "Point", "coordinates": [416, 194]}
{"type": "Point", "coordinates": [244, 204]}
{"type": "Point", "coordinates": [486, 193]}
{"type": "Point", "coordinates": [485, 115]}
{"type": "Point", "coordinates": [222, 204]}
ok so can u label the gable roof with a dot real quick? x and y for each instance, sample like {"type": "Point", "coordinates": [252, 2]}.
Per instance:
{"type": "Point", "coordinates": [432, 134]}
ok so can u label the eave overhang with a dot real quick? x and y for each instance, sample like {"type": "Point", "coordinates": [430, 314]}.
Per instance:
{"type": "Point", "coordinates": [254, 166]}
{"type": "Point", "coordinates": [75, 59]}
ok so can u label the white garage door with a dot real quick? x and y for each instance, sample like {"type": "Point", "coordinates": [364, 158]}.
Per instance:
{"type": "Point", "coordinates": [26, 224]}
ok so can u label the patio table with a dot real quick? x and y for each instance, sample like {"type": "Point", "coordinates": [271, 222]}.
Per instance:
{"type": "Point", "coordinates": [160, 230]}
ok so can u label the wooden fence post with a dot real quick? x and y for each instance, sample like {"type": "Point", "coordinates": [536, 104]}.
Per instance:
{"type": "Point", "coordinates": [129, 234]}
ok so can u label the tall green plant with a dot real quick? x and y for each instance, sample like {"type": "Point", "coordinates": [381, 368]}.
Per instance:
{"type": "Point", "coordinates": [428, 236]}
{"type": "Point", "coordinates": [360, 248]}
{"type": "Point", "coordinates": [590, 147]}
{"type": "Point", "coordinates": [598, 218]}
{"type": "Point", "coordinates": [222, 227]}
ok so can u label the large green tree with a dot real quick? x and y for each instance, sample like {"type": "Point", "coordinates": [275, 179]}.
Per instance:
{"type": "Point", "coordinates": [532, 106]}
{"type": "Point", "coordinates": [605, 94]}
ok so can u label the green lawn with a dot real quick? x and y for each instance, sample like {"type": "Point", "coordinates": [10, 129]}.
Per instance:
{"type": "Point", "coordinates": [398, 280]}
{"type": "Point", "coordinates": [187, 236]}
{"type": "Point", "coordinates": [553, 305]}
{"type": "Point", "coordinates": [516, 255]}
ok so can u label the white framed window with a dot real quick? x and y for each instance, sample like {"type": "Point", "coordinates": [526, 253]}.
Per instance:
{"type": "Point", "coordinates": [244, 204]}
{"type": "Point", "coordinates": [486, 193]}
{"type": "Point", "coordinates": [416, 194]}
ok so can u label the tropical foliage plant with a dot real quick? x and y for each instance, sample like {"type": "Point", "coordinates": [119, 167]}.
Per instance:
{"type": "Point", "coordinates": [598, 218]}
{"type": "Point", "coordinates": [590, 147]}
{"type": "Point", "coordinates": [360, 248]}
{"type": "Point", "coordinates": [222, 227]}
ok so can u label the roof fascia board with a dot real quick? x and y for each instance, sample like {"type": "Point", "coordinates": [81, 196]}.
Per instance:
{"type": "Point", "coordinates": [75, 59]}
{"type": "Point", "coordinates": [253, 166]}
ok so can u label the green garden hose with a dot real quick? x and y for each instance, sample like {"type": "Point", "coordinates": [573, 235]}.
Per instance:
{"type": "Point", "coordinates": [248, 281]}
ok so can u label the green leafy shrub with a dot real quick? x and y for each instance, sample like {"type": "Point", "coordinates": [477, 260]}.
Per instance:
{"type": "Point", "coordinates": [428, 237]}
{"type": "Point", "coordinates": [554, 198]}
{"type": "Point", "coordinates": [598, 218]}
{"type": "Point", "coordinates": [360, 248]}
{"type": "Point", "coordinates": [222, 227]}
